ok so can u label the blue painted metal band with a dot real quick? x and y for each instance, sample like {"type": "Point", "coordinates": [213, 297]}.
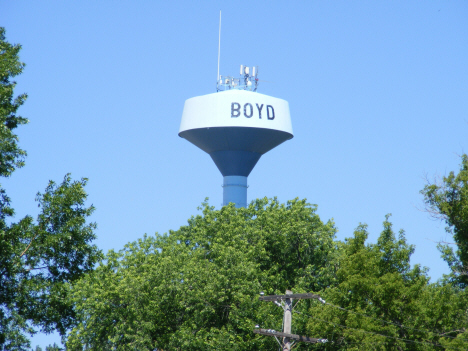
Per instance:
{"type": "Point", "coordinates": [235, 191]}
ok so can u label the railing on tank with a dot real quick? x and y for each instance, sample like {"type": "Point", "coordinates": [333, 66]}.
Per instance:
{"type": "Point", "coordinates": [246, 81]}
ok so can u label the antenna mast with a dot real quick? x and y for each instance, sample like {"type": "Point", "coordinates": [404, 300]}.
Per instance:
{"type": "Point", "coordinates": [219, 43]}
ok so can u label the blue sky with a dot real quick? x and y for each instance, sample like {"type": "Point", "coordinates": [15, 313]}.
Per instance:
{"type": "Point", "coordinates": [378, 93]}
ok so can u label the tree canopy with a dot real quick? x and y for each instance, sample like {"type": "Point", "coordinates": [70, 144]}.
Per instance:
{"type": "Point", "coordinates": [197, 288]}
{"type": "Point", "coordinates": [447, 199]}
{"type": "Point", "coordinates": [11, 156]}
{"type": "Point", "coordinates": [38, 259]}
{"type": "Point", "coordinates": [380, 302]}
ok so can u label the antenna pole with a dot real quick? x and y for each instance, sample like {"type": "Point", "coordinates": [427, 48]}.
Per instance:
{"type": "Point", "coordinates": [219, 43]}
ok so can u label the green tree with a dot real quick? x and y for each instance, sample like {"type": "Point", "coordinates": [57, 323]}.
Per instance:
{"type": "Point", "coordinates": [197, 288]}
{"type": "Point", "coordinates": [53, 347]}
{"type": "Point", "coordinates": [38, 259]}
{"type": "Point", "coordinates": [380, 302]}
{"type": "Point", "coordinates": [448, 200]}
{"type": "Point", "coordinates": [11, 156]}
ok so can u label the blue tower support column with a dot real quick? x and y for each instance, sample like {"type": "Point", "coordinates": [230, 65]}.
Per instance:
{"type": "Point", "coordinates": [235, 190]}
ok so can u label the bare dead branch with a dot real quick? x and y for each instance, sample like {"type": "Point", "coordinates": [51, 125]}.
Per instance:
{"type": "Point", "coordinates": [27, 248]}
{"type": "Point", "coordinates": [441, 242]}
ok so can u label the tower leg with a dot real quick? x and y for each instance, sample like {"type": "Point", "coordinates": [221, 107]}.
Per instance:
{"type": "Point", "coordinates": [235, 190]}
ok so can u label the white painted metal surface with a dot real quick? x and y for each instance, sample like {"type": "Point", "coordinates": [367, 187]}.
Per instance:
{"type": "Point", "coordinates": [236, 108]}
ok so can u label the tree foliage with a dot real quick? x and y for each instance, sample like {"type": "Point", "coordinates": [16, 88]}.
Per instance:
{"type": "Point", "coordinates": [38, 259]}
{"type": "Point", "coordinates": [380, 302]}
{"type": "Point", "coordinates": [11, 156]}
{"type": "Point", "coordinates": [53, 347]}
{"type": "Point", "coordinates": [197, 288]}
{"type": "Point", "coordinates": [448, 200]}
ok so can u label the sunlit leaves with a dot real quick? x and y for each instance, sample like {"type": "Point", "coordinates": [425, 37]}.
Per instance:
{"type": "Point", "coordinates": [197, 288]}
{"type": "Point", "coordinates": [11, 156]}
{"type": "Point", "coordinates": [448, 200]}
{"type": "Point", "coordinates": [380, 302]}
{"type": "Point", "coordinates": [38, 259]}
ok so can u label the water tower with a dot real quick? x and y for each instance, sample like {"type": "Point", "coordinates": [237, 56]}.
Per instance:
{"type": "Point", "coordinates": [236, 126]}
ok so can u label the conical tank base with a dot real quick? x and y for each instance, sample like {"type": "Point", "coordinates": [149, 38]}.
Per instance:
{"type": "Point", "coordinates": [235, 150]}
{"type": "Point", "coordinates": [235, 163]}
